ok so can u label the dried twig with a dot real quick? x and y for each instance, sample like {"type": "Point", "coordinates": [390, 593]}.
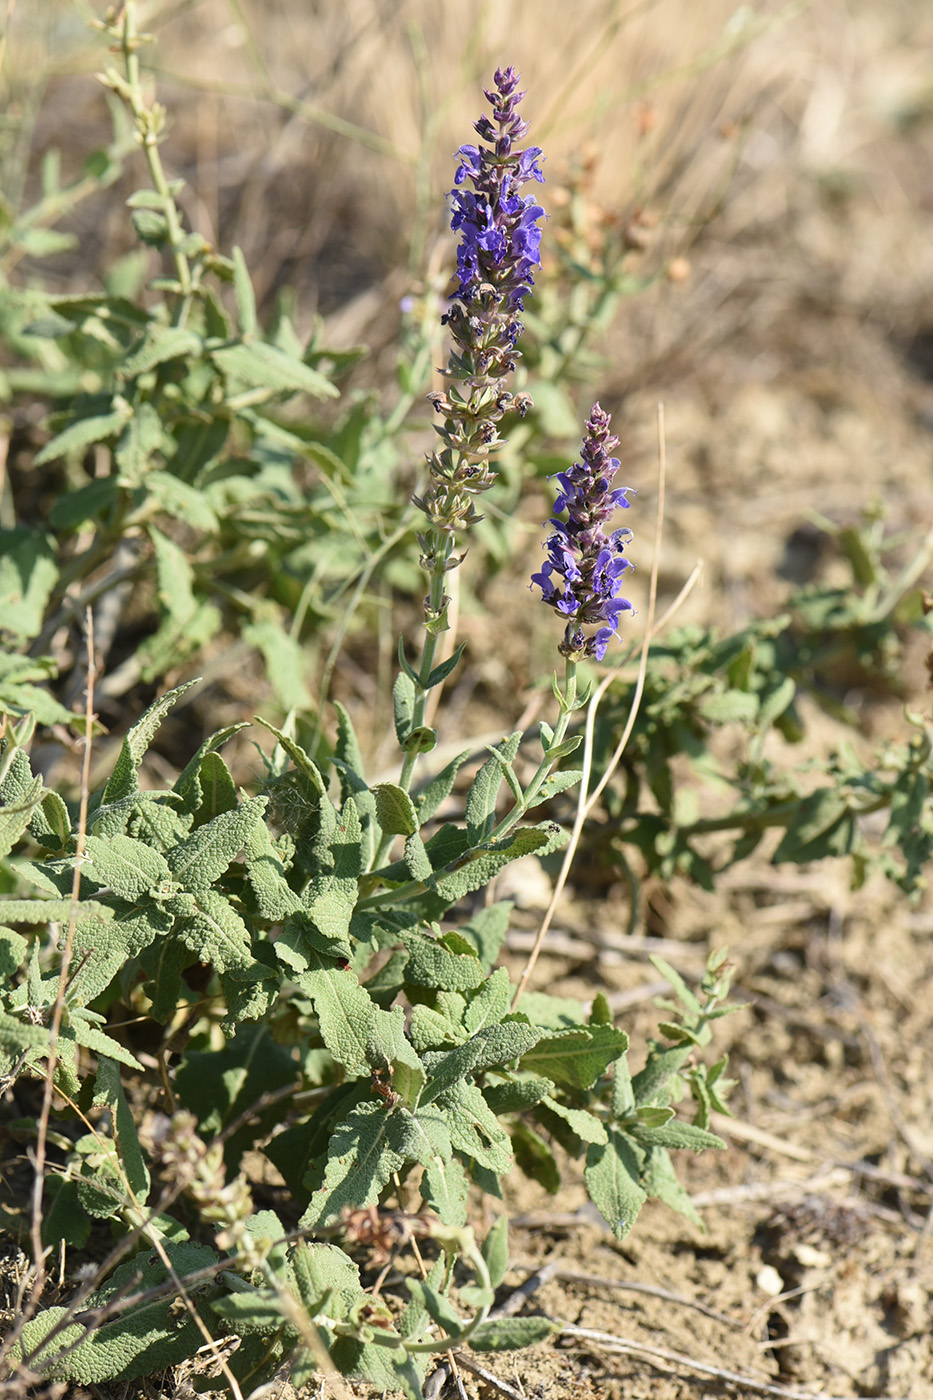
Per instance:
{"type": "Point", "coordinates": [626, 1346]}
{"type": "Point", "coordinates": [665, 1294]}
{"type": "Point", "coordinates": [42, 1133]}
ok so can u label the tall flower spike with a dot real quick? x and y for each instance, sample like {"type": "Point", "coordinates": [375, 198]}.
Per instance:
{"type": "Point", "coordinates": [496, 257]}
{"type": "Point", "coordinates": [583, 572]}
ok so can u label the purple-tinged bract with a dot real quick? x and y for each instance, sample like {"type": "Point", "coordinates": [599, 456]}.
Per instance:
{"type": "Point", "coordinates": [583, 572]}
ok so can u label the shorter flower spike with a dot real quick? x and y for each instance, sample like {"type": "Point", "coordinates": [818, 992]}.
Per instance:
{"type": "Point", "coordinates": [583, 572]}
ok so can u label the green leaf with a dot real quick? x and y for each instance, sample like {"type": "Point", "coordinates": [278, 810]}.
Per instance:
{"type": "Point", "coordinates": [123, 781]}
{"type": "Point", "coordinates": [395, 811]}
{"type": "Point", "coordinates": [162, 343]}
{"type": "Point", "coordinates": [612, 1179]}
{"type": "Point", "coordinates": [481, 800]}
{"type": "Point", "coordinates": [258, 365]}
{"type": "Point", "coordinates": [93, 1038]}
{"type": "Point", "coordinates": [430, 964]}
{"type": "Point", "coordinates": [20, 1036]}
{"type": "Point", "coordinates": [243, 292]}
{"type": "Point", "coordinates": [141, 439]}
{"type": "Point", "coordinates": [218, 790]}
{"type": "Point", "coordinates": [474, 1130]}
{"type": "Point", "coordinates": [490, 1003]}
{"type": "Point", "coordinates": [151, 228]}
{"type": "Point", "coordinates": [730, 707]}
{"type": "Point", "coordinates": [389, 1370]}
{"type": "Point", "coordinates": [558, 782]}
{"type": "Point", "coordinates": [13, 951]}
{"type": "Point", "coordinates": [181, 501]}
{"type": "Point", "coordinates": [51, 326]}
{"type": "Point", "coordinates": [535, 1158]}
{"type": "Point", "coordinates": [675, 1134]}
{"type": "Point", "coordinates": [430, 797]}
{"type": "Point", "coordinates": [206, 854]}
{"type": "Point", "coordinates": [344, 1009]}
{"type": "Point", "coordinates": [822, 826]}
{"type": "Point", "coordinates": [254, 1310]}
{"type": "Point", "coordinates": [140, 1342]}
{"type": "Point", "coordinates": [65, 1221]}
{"type": "Point", "coordinates": [86, 503]}
{"type": "Point", "coordinates": [486, 930]}
{"type": "Point", "coordinates": [576, 1057]}
{"type": "Point", "coordinates": [476, 873]}
{"type": "Point", "coordinates": [517, 1095]}
{"type": "Point", "coordinates": [779, 700]}
{"type": "Point", "coordinates": [165, 961]}
{"type": "Point", "coordinates": [28, 573]}
{"type": "Point", "coordinates": [440, 1311]}
{"type": "Point", "coordinates": [495, 1251]}
{"type": "Point", "coordinates": [445, 668]}
{"type": "Point", "coordinates": [216, 933]}
{"type": "Point", "coordinates": [188, 783]}
{"type": "Point", "coordinates": [130, 868]}
{"type": "Point", "coordinates": [322, 1269]}
{"type": "Point", "coordinates": [108, 1092]}
{"type": "Point", "coordinates": [15, 816]}
{"type": "Point", "coordinates": [512, 1333]}
{"type": "Point", "coordinates": [403, 698]}
{"type": "Point", "coordinates": [660, 1180]}
{"type": "Point", "coordinates": [417, 859]}
{"type": "Point", "coordinates": [389, 1047]}
{"type": "Point", "coordinates": [267, 874]}
{"type": "Point", "coordinates": [623, 1097]}
{"type": "Point", "coordinates": [330, 898]}
{"type": "Point", "coordinates": [44, 911]}
{"type": "Point", "coordinates": [660, 1066]}
{"type": "Point", "coordinates": [586, 1125]}
{"type": "Point", "coordinates": [445, 1188]}
{"type": "Point", "coordinates": [349, 760]}
{"type": "Point", "coordinates": [683, 993]}
{"type": "Point", "coordinates": [285, 658]}
{"type": "Point", "coordinates": [97, 427]}
{"type": "Point", "coordinates": [364, 1154]}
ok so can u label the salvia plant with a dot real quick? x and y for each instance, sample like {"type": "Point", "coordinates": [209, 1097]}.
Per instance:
{"type": "Point", "coordinates": [208, 989]}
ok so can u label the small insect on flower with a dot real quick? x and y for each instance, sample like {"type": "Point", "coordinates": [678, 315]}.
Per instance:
{"type": "Point", "coordinates": [583, 572]}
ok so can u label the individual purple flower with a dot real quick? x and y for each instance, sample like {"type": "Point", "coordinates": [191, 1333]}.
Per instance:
{"type": "Point", "coordinates": [583, 572]}
{"type": "Point", "coordinates": [496, 257]}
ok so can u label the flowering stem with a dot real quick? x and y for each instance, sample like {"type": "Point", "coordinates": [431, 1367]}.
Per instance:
{"type": "Point", "coordinates": [496, 258]}
{"type": "Point", "coordinates": [436, 608]}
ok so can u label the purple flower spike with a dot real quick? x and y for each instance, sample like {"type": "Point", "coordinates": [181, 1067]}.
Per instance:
{"type": "Point", "coordinates": [496, 258]}
{"type": "Point", "coordinates": [499, 234]}
{"type": "Point", "coordinates": [583, 572]}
